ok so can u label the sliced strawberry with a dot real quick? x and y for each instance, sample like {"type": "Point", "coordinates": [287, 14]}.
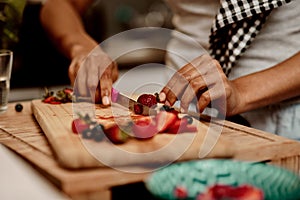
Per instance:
{"type": "Point", "coordinates": [144, 128]}
{"type": "Point", "coordinates": [243, 192]}
{"type": "Point", "coordinates": [49, 99]}
{"type": "Point", "coordinates": [79, 125]}
{"type": "Point", "coordinates": [181, 125]}
{"type": "Point", "coordinates": [55, 102]}
{"type": "Point", "coordinates": [180, 192]}
{"type": "Point", "coordinates": [116, 135]}
{"type": "Point", "coordinates": [165, 120]}
{"type": "Point", "coordinates": [138, 109]}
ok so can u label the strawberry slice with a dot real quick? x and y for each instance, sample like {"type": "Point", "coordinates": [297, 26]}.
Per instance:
{"type": "Point", "coordinates": [144, 128]}
{"type": "Point", "coordinates": [180, 192]}
{"type": "Point", "coordinates": [181, 125]}
{"type": "Point", "coordinates": [242, 192]}
{"type": "Point", "coordinates": [79, 125]}
{"type": "Point", "coordinates": [116, 135]}
{"type": "Point", "coordinates": [165, 120]}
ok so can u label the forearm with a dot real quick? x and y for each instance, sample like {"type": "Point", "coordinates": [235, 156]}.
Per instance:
{"type": "Point", "coordinates": [270, 86]}
{"type": "Point", "coordinates": [62, 21]}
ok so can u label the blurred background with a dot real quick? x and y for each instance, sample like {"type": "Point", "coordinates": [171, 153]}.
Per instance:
{"type": "Point", "coordinates": [38, 64]}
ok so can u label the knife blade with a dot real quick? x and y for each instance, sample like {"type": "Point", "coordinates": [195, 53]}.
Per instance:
{"type": "Point", "coordinates": [131, 104]}
{"type": "Point", "coordinates": [121, 99]}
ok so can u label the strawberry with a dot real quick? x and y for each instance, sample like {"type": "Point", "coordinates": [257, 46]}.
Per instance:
{"type": "Point", "coordinates": [181, 125]}
{"type": "Point", "coordinates": [79, 125]}
{"type": "Point", "coordinates": [147, 100]}
{"type": "Point", "coordinates": [144, 128]}
{"type": "Point", "coordinates": [115, 134]}
{"type": "Point", "coordinates": [180, 192]}
{"type": "Point", "coordinates": [138, 109]}
{"type": "Point", "coordinates": [49, 99]}
{"type": "Point", "coordinates": [165, 120]}
{"type": "Point", "coordinates": [242, 192]}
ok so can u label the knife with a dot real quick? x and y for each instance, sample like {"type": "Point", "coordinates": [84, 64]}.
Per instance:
{"type": "Point", "coordinates": [119, 98]}
{"type": "Point", "coordinates": [131, 104]}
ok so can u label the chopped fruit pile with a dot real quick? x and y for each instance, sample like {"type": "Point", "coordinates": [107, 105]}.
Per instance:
{"type": "Point", "coordinates": [243, 192]}
{"type": "Point", "coordinates": [166, 120]}
{"type": "Point", "coordinates": [141, 128]}
{"type": "Point", "coordinates": [61, 96]}
{"type": "Point", "coordinates": [97, 132]}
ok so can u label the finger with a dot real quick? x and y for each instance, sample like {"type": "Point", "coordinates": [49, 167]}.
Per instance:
{"type": "Point", "coordinates": [106, 85]}
{"type": "Point", "coordinates": [178, 83]}
{"type": "Point", "coordinates": [92, 80]}
{"type": "Point", "coordinates": [115, 72]}
{"type": "Point", "coordinates": [203, 101]}
{"type": "Point", "coordinates": [195, 87]}
{"type": "Point", "coordinates": [80, 81]}
{"type": "Point", "coordinates": [214, 96]}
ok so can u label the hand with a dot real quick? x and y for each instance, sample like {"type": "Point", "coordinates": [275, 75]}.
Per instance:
{"type": "Point", "coordinates": [92, 75]}
{"type": "Point", "coordinates": [203, 80]}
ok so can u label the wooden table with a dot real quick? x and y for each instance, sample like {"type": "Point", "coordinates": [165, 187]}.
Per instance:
{"type": "Point", "coordinates": [21, 133]}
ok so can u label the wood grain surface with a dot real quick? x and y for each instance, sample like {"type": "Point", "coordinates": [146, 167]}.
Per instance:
{"type": "Point", "coordinates": [73, 151]}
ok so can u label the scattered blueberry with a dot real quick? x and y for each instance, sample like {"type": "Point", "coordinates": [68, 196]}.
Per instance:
{"type": "Point", "coordinates": [87, 134]}
{"type": "Point", "coordinates": [189, 119]}
{"type": "Point", "coordinates": [166, 108]}
{"type": "Point", "coordinates": [98, 133]}
{"type": "Point", "coordinates": [19, 107]}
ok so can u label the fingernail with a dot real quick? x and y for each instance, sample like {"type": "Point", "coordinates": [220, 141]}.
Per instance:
{"type": "Point", "coordinates": [162, 96]}
{"type": "Point", "coordinates": [182, 110]}
{"type": "Point", "coordinates": [105, 100]}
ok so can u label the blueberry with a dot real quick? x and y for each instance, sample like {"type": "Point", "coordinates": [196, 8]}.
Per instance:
{"type": "Point", "coordinates": [87, 134]}
{"type": "Point", "coordinates": [97, 132]}
{"type": "Point", "coordinates": [189, 119]}
{"type": "Point", "coordinates": [19, 107]}
{"type": "Point", "coordinates": [166, 108]}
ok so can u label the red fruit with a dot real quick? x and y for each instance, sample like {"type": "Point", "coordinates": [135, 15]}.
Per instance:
{"type": "Point", "coordinates": [49, 99]}
{"type": "Point", "coordinates": [144, 128]}
{"type": "Point", "coordinates": [138, 109]}
{"type": "Point", "coordinates": [180, 192]}
{"type": "Point", "coordinates": [79, 125]}
{"type": "Point", "coordinates": [116, 135]}
{"type": "Point", "coordinates": [243, 192]}
{"type": "Point", "coordinates": [181, 125]}
{"type": "Point", "coordinates": [165, 120]}
{"type": "Point", "coordinates": [147, 100]}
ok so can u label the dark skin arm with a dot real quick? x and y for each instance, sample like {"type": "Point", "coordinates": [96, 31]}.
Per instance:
{"type": "Point", "coordinates": [62, 21]}
{"type": "Point", "coordinates": [278, 83]}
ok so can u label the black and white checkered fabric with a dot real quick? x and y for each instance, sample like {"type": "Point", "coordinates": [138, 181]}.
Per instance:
{"type": "Point", "coordinates": [236, 25]}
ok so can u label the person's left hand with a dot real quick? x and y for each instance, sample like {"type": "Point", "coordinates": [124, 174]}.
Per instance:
{"type": "Point", "coordinates": [202, 79]}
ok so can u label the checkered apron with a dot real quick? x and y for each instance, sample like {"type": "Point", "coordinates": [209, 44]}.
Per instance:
{"type": "Point", "coordinates": [236, 25]}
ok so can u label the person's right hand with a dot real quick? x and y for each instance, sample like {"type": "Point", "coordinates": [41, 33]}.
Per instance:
{"type": "Point", "coordinates": [92, 74]}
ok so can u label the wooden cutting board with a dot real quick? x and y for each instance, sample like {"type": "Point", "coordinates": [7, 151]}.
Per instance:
{"type": "Point", "coordinates": [72, 151]}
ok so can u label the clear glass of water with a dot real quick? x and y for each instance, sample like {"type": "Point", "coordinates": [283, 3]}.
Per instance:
{"type": "Point", "coordinates": [6, 61]}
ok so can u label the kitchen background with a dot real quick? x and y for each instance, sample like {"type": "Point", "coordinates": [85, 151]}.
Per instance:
{"type": "Point", "coordinates": [37, 64]}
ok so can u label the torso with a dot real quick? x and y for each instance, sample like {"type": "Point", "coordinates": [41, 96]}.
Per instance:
{"type": "Point", "coordinates": [278, 39]}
